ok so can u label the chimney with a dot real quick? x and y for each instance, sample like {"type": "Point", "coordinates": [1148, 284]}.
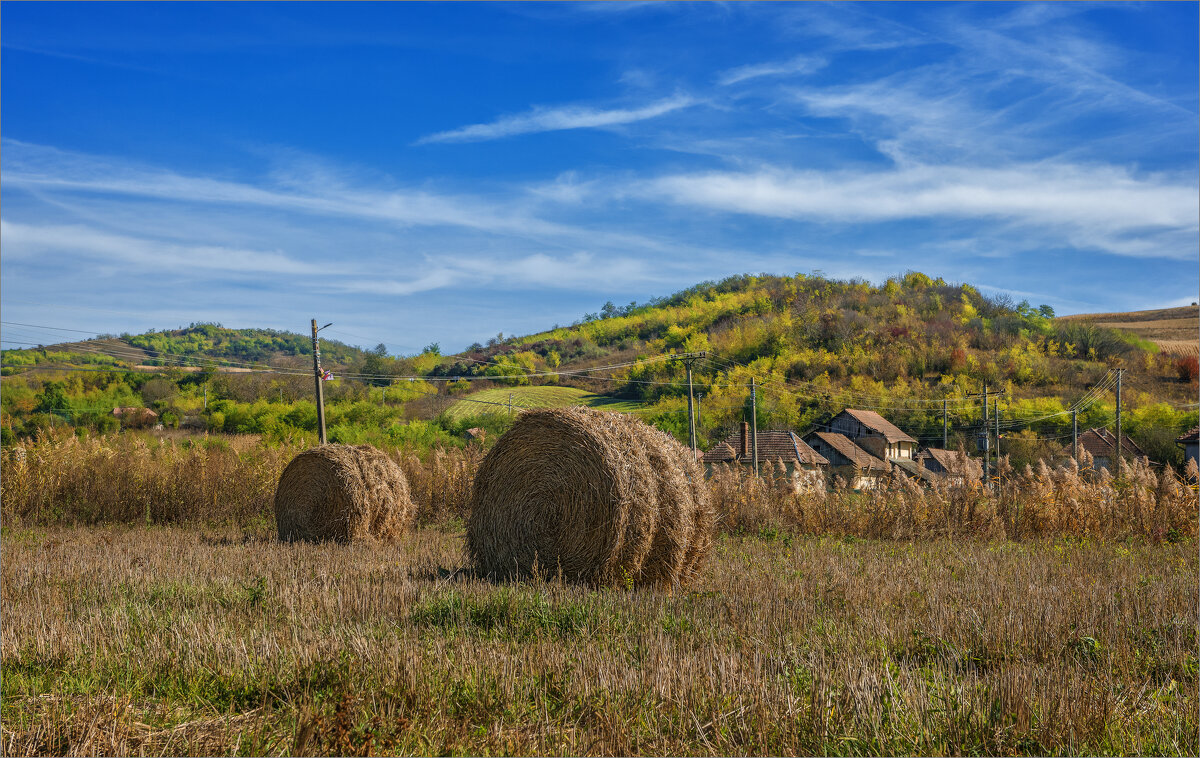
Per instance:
{"type": "Point", "coordinates": [745, 452]}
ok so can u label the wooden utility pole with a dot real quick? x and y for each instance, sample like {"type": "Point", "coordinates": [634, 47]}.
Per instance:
{"type": "Point", "coordinates": [754, 423]}
{"type": "Point", "coordinates": [1117, 463]}
{"type": "Point", "coordinates": [317, 377]}
{"type": "Point", "coordinates": [510, 405]}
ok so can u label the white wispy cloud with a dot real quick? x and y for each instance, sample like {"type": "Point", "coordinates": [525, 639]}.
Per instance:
{"type": "Point", "coordinates": [544, 119]}
{"type": "Point", "coordinates": [579, 270]}
{"type": "Point", "coordinates": [1095, 207]}
{"type": "Point", "coordinates": [68, 243]}
{"type": "Point", "coordinates": [50, 171]}
{"type": "Point", "coordinates": [801, 64]}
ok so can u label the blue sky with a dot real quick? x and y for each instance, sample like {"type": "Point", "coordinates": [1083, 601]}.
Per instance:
{"type": "Point", "coordinates": [443, 172]}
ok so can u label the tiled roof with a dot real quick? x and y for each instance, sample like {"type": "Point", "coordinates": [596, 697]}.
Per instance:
{"type": "Point", "coordinates": [877, 423]}
{"type": "Point", "coordinates": [772, 446]}
{"type": "Point", "coordinates": [720, 453]}
{"type": "Point", "coordinates": [1102, 443]}
{"type": "Point", "coordinates": [916, 470]}
{"type": "Point", "coordinates": [1192, 435]}
{"type": "Point", "coordinates": [954, 461]}
{"type": "Point", "coordinates": [859, 457]}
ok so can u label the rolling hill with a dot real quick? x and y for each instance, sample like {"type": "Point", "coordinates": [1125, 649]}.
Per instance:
{"type": "Point", "coordinates": [1176, 331]}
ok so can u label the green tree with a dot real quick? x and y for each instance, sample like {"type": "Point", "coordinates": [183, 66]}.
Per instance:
{"type": "Point", "coordinates": [53, 397]}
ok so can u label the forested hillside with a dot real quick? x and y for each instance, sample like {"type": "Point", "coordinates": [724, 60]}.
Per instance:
{"type": "Point", "coordinates": [194, 346]}
{"type": "Point", "coordinates": [816, 345]}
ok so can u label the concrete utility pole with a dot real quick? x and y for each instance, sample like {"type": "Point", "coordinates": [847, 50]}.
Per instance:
{"type": "Point", "coordinates": [1117, 463]}
{"type": "Point", "coordinates": [1075, 434]}
{"type": "Point", "coordinates": [754, 423]}
{"type": "Point", "coordinates": [987, 443]}
{"type": "Point", "coordinates": [987, 437]}
{"type": "Point", "coordinates": [997, 436]}
{"type": "Point", "coordinates": [688, 359]}
{"type": "Point", "coordinates": [945, 435]}
{"type": "Point", "coordinates": [317, 377]}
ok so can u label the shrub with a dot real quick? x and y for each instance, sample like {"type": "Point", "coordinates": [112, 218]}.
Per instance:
{"type": "Point", "coordinates": [1188, 368]}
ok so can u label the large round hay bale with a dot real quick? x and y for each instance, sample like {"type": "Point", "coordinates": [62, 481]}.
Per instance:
{"type": "Point", "coordinates": [600, 497]}
{"type": "Point", "coordinates": [342, 493]}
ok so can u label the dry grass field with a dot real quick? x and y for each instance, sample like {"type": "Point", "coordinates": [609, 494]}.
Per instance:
{"type": "Point", "coordinates": [153, 640]}
{"type": "Point", "coordinates": [148, 609]}
{"type": "Point", "coordinates": [1175, 330]}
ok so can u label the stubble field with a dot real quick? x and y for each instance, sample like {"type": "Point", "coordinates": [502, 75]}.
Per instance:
{"type": "Point", "coordinates": [194, 640]}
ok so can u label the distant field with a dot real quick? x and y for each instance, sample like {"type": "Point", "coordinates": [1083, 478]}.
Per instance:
{"type": "Point", "coordinates": [522, 398]}
{"type": "Point", "coordinates": [1175, 330]}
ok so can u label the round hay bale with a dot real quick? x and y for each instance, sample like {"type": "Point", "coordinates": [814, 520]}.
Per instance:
{"type": "Point", "coordinates": [342, 493]}
{"type": "Point", "coordinates": [600, 497]}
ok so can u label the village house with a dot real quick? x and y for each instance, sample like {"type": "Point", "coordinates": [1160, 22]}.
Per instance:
{"type": "Point", "coordinates": [1101, 444]}
{"type": "Point", "coordinates": [134, 416]}
{"type": "Point", "coordinates": [1189, 444]}
{"type": "Point", "coordinates": [875, 434]}
{"type": "Point", "coordinates": [862, 447]}
{"type": "Point", "coordinates": [854, 464]}
{"type": "Point", "coordinates": [955, 466]}
{"type": "Point", "coordinates": [914, 468]}
{"type": "Point", "coordinates": [800, 462]}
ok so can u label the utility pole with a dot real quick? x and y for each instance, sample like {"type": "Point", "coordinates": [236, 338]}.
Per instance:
{"type": "Point", "coordinates": [997, 436]}
{"type": "Point", "coordinates": [206, 396]}
{"type": "Point", "coordinates": [691, 410]}
{"type": "Point", "coordinates": [318, 378]}
{"type": "Point", "coordinates": [987, 443]}
{"type": "Point", "coordinates": [510, 405]}
{"type": "Point", "coordinates": [688, 359]}
{"type": "Point", "coordinates": [754, 423]}
{"type": "Point", "coordinates": [945, 435]}
{"type": "Point", "coordinates": [987, 437]}
{"type": "Point", "coordinates": [699, 396]}
{"type": "Point", "coordinates": [1075, 434]}
{"type": "Point", "coordinates": [1117, 463]}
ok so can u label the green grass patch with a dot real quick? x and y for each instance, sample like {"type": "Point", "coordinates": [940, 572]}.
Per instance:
{"type": "Point", "coordinates": [496, 401]}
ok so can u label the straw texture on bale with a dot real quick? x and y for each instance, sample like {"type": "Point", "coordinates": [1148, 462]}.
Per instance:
{"type": "Point", "coordinates": [599, 496]}
{"type": "Point", "coordinates": [342, 493]}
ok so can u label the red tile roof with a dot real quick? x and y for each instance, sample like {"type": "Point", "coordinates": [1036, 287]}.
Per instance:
{"type": "Point", "coordinates": [1102, 443]}
{"type": "Point", "coordinates": [916, 470]}
{"type": "Point", "coordinates": [720, 453]}
{"type": "Point", "coordinates": [772, 445]}
{"type": "Point", "coordinates": [857, 456]}
{"type": "Point", "coordinates": [1192, 435]}
{"type": "Point", "coordinates": [877, 423]}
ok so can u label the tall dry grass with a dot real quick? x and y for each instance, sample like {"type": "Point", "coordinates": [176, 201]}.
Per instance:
{"type": "Point", "coordinates": [1143, 502]}
{"type": "Point", "coordinates": [63, 480]}
{"type": "Point", "coordinates": [122, 479]}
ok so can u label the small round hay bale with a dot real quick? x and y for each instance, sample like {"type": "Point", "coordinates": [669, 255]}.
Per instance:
{"type": "Point", "coordinates": [601, 497]}
{"type": "Point", "coordinates": [342, 493]}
